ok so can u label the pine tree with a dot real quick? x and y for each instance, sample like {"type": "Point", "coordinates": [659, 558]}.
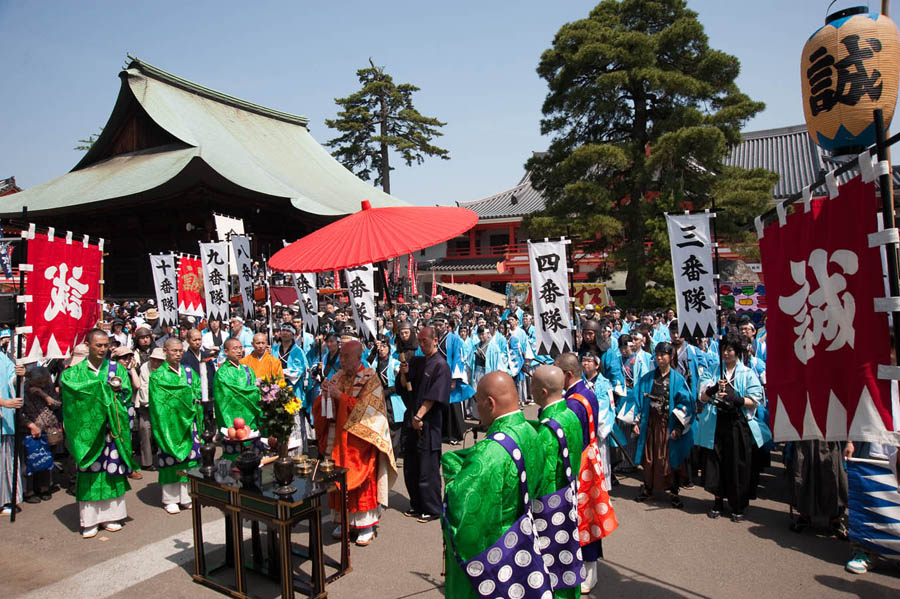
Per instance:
{"type": "Point", "coordinates": [86, 144]}
{"type": "Point", "coordinates": [378, 118]}
{"type": "Point", "coordinates": [642, 113]}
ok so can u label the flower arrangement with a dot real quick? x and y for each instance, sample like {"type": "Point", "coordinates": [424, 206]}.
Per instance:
{"type": "Point", "coordinates": [278, 404]}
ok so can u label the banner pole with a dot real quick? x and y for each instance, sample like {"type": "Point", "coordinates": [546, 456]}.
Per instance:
{"type": "Point", "coordinates": [18, 437]}
{"type": "Point", "coordinates": [570, 275]}
{"type": "Point", "coordinates": [717, 283]}
{"type": "Point", "coordinates": [887, 211]}
{"type": "Point", "coordinates": [265, 267]}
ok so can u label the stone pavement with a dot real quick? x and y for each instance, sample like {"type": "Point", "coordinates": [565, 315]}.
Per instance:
{"type": "Point", "coordinates": [657, 552]}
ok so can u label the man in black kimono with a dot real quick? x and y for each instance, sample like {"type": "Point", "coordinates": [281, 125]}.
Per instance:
{"type": "Point", "coordinates": [429, 377]}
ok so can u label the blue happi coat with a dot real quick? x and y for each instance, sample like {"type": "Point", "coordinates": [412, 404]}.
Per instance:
{"type": "Point", "coordinates": [295, 371]}
{"type": "Point", "coordinates": [494, 359]}
{"type": "Point", "coordinates": [519, 314]}
{"type": "Point", "coordinates": [397, 404]}
{"type": "Point", "coordinates": [462, 390]}
{"type": "Point", "coordinates": [679, 398]}
{"type": "Point", "coordinates": [697, 366]}
{"type": "Point", "coordinates": [746, 384]}
{"type": "Point", "coordinates": [606, 415]}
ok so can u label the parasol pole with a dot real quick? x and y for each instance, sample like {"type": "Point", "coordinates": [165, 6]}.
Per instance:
{"type": "Point", "coordinates": [265, 266]}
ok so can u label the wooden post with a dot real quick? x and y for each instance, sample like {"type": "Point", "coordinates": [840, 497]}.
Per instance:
{"type": "Point", "coordinates": [887, 211]}
{"type": "Point", "coordinates": [886, 7]}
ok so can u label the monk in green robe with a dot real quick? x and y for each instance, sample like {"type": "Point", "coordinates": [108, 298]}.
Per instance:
{"type": "Point", "coordinates": [235, 392]}
{"type": "Point", "coordinates": [98, 435]}
{"type": "Point", "coordinates": [547, 388]}
{"type": "Point", "coordinates": [176, 416]}
{"type": "Point", "coordinates": [482, 482]}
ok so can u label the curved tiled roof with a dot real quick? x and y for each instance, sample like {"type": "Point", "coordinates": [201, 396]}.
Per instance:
{"type": "Point", "coordinates": [518, 201]}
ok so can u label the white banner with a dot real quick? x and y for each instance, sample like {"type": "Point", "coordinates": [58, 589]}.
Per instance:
{"type": "Point", "coordinates": [550, 297]}
{"type": "Point", "coordinates": [164, 280]}
{"type": "Point", "coordinates": [695, 287]}
{"type": "Point", "coordinates": [305, 285]}
{"type": "Point", "coordinates": [214, 257]}
{"type": "Point", "coordinates": [241, 251]}
{"type": "Point", "coordinates": [361, 290]}
{"type": "Point", "coordinates": [225, 226]}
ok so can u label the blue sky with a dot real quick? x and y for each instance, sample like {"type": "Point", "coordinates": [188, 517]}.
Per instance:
{"type": "Point", "coordinates": [475, 63]}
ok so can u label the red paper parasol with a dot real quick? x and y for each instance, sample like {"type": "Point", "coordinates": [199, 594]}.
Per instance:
{"type": "Point", "coordinates": [372, 235]}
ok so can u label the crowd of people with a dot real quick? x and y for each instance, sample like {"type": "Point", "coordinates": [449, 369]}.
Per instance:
{"type": "Point", "coordinates": [633, 397]}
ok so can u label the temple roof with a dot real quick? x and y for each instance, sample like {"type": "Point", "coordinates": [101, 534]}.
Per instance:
{"type": "Point", "coordinates": [161, 123]}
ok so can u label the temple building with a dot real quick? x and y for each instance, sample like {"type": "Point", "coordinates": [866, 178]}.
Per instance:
{"type": "Point", "coordinates": [173, 153]}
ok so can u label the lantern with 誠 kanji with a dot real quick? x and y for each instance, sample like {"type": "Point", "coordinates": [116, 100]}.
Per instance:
{"type": "Point", "coordinates": [850, 67]}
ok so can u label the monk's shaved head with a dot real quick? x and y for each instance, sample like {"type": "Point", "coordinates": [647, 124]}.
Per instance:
{"type": "Point", "coordinates": [547, 384]}
{"type": "Point", "coordinates": [351, 356]}
{"type": "Point", "coordinates": [230, 342]}
{"type": "Point", "coordinates": [496, 396]}
{"type": "Point", "coordinates": [571, 367]}
{"type": "Point", "coordinates": [352, 348]}
{"type": "Point", "coordinates": [172, 342]}
{"type": "Point", "coordinates": [569, 362]}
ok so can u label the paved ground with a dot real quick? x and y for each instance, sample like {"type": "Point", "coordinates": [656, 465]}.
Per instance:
{"type": "Point", "coordinates": [657, 552]}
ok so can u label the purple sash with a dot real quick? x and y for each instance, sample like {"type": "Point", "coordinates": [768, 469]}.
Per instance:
{"type": "Point", "coordinates": [512, 566]}
{"type": "Point", "coordinates": [556, 524]}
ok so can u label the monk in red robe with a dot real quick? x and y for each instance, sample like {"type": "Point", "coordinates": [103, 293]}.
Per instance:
{"type": "Point", "coordinates": [352, 427]}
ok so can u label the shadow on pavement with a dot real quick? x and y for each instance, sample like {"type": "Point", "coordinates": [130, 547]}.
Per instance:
{"type": "Point", "coordinates": [150, 495]}
{"type": "Point", "coordinates": [68, 516]}
{"type": "Point", "coordinates": [859, 587]}
{"type": "Point", "coordinates": [621, 581]}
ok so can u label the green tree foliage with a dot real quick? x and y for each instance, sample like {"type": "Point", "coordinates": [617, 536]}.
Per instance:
{"type": "Point", "coordinates": [642, 113]}
{"type": "Point", "coordinates": [86, 144]}
{"type": "Point", "coordinates": [378, 118]}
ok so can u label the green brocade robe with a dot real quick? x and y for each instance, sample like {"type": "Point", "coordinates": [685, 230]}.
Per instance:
{"type": "Point", "coordinates": [234, 397]}
{"type": "Point", "coordinates": [482, 494]}
{"type": "Point", "coordinates": [90, 411]}
{"type": "Point", "coordinates": [174, 412]}
{"type": "Point", "coordinates": [554, 474]}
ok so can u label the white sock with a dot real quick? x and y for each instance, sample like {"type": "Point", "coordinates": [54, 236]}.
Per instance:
{"type": "Point", "coordinates": [591, 577]}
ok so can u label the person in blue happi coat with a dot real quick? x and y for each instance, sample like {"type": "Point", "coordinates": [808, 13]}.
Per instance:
{"type": "Point", "coordinates": [665, 411]}
{"type": "Point", "coordinates": [748, 330]}
{"type": "Point", "coordinates": [513, 309]}
{"type": "Point", "coordinates": [520, 356]}
{"type": "Point", "coordinates": [450, 347]}
{"type": "Point", "coordinates": [726, 426]}
{"type": "Point", "coordinates": [387, 367]}
{"type": "Point", "coordinates": [607, 431]}
{"type": "Point", "coordinates": [295, 368]}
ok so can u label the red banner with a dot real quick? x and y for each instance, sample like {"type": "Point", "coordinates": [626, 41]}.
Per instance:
{"type": "Point", "coordinates": [64, 288]}
{"type": "Point", "coordinates": [825, 341]}
{"type": "Point", "coordinates": [190, 286]}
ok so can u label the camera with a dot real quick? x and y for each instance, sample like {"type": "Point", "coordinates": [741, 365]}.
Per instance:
{"type": "Point", "coordinates": [316, 374]}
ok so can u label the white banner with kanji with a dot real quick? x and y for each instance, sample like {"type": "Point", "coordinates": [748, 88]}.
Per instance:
{"type": "Point", "coordinates": [695, 288]}
{"type": "Point", "coordinates": [308, 298]}
{"type": "Point", "coordinates": [165, 282]}
{"type": "Point", "coordinates": [550, 297]}
{"type": "Point", "coordinates": [241, 246]}
{"type": "Point", "coordinates": [214, 257]}
{"type": "Point", "coordinates": [361, 289]}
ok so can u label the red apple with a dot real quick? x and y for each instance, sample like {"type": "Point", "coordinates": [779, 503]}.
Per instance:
{"type": "Point", "coordinates": [231, 432]}
{"type": "Point", "coordinates": [242, 433]}
{"type": "Point", "coordinates": [239, 422]}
